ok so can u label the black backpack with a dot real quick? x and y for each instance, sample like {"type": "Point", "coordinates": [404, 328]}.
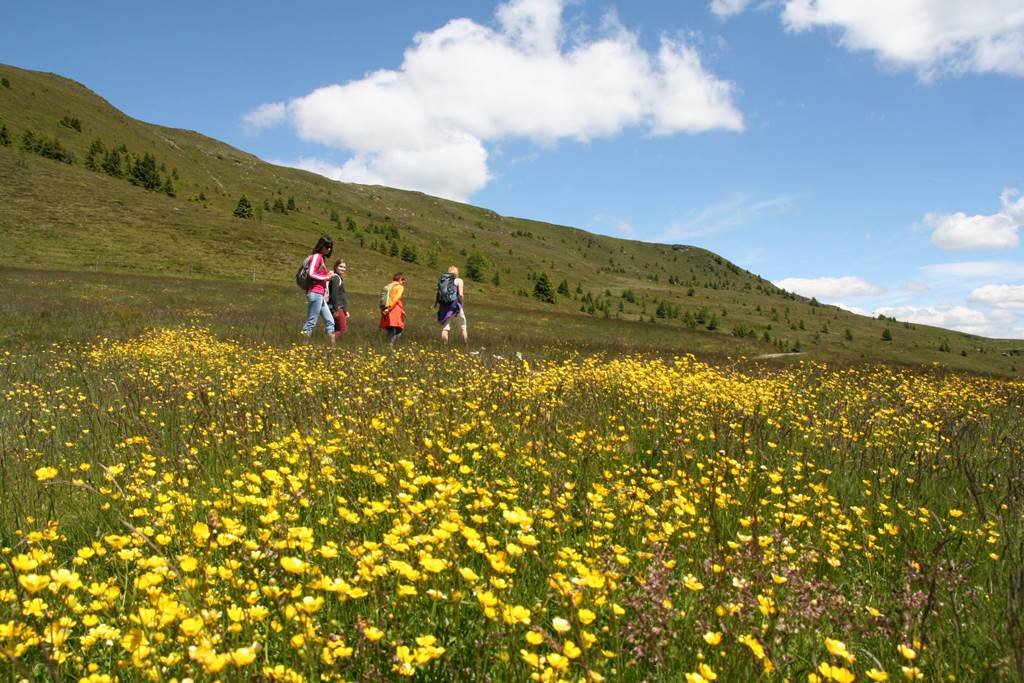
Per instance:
{"type": "Point", "coordinates": [302, 278]}
{"type": "Point", "coordinates": [447, 292]}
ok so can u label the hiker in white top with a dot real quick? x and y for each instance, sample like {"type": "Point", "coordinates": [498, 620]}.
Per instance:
{"type": "Point", "coordinates": [450, 301]}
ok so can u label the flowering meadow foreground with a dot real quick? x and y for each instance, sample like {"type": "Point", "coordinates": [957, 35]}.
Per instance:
{"type": "Point", "coordinates": [180, 506]}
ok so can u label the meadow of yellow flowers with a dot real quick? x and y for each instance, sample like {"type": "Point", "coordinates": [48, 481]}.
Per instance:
{"type": "Point", "coordinates": [185, 507]}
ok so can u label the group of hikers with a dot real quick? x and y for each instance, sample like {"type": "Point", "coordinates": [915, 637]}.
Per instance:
{"type": "Point", "coordinates": [327, 298]}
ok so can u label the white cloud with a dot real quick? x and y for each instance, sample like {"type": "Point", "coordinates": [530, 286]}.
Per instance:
{"type": "Point", "coordinates": [464, 85]}
{"type": "Point", "coordinates": [452, 172]}
{"type": "Point", "coordinates": [829, 288]}
{"type": "Point", "coordinates": [960, 232]}
{"type": "Point", "coordinates": [932, 37]}
{"type": "Point", "coordinates": [999, 296]}
{"type": "Point", "coordinates": [953, 317]}
{"type": "Point", "coordinates": [968, 270]}
{"type": "Point", "coordinates": [728, 8]}
{"type": "Point", "coordinates": [724, 215]}
{"type": "Point", "coordinates": [265, 116]}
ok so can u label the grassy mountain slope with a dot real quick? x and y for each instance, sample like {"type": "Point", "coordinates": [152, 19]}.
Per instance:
{"type": "Point", "coordinates": [65, 217]}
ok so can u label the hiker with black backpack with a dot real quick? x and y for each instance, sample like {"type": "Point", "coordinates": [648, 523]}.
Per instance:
{"type": "Point", "coordinates": [449, 301]}
{"type": "Point", "coordinates": [313, 276]}
{"type": "Point", "coordinates": [392, 309]}
{"type": "Point", "coordinates": [337, 299]}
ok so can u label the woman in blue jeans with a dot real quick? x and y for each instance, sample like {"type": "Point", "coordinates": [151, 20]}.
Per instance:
{"type": "Point", "coordinates": [319, 276]}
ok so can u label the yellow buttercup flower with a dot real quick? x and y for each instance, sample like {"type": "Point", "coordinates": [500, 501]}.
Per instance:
{"type": "Point", "coordinates": [293, 565]}
{"type": "Point", "coordinates": [33, 583]}
{"type": "Point", "coordinates": [46, 473]}
{"type": "Point", "coordinates": [713, 637]}
{"type": "Point", "coordinates": [906, 652]}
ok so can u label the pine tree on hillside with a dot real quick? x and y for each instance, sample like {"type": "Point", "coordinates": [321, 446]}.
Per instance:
{"type": "Point", "coordinates": [542, 289]}
{"type": "Point", "coordinates": [278, 206]}
{"type": "Point", "coordinates": [143, 172]}
{"type": "Point", "coordinates": [291, 204]}
{"type": "Point", "coordinates": [563, 288]}
{"type": "Point", "coordinates": [476, 267]}
{"type": "Point", "coordinates": [168, 187]}
{"type": "Point", "coordinates": [244, 208]}
{"type": "Point", "coordinates": [5, 137]}
{"type": "Point", "coordinates": [93, 159]}
{"type": "Point", "coordinates": [112, 164]}
{"type": "Point", "coordinates": [886, 334]}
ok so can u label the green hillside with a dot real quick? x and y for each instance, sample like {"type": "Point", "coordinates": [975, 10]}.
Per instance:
{"type": "Point", "coordinates": [73, 199]}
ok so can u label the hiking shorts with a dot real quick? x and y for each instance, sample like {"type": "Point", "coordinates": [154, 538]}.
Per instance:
{"type": "Point", "coordinates": [461, 317]}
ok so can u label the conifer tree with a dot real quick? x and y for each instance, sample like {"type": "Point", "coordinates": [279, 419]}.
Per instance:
{"type": "Point", "coordinates": [476, 267]}
{"type": "Point", "coordinates": [143, 172]}
{"type": "Point", "coordinates": [112, 164]}
{"type": "Point", "coordinates": [542, 289]}
{"type": "Point", "coordinates": [291, 204]}
{"type": "Point", "coordinates": [94, 157]}
{"type": "Point", "coordinates": [5, 137]}
{"type": "Point", "coordinates": [244, 208]}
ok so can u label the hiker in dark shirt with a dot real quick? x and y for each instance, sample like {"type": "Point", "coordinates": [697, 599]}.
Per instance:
{"type": "Point", "coordinates": [338, 298]}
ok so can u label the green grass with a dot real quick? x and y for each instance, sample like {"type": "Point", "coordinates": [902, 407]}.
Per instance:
{"type": "Point", "coordinates": [70, 219]}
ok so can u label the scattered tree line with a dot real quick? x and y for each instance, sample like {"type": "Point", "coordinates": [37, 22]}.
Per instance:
{"type": "Point", "coordinates": [280, 206]}
{"type": "Point", "coordinates": [72, 122]}
{"type": "Point", "coordinates": [50, 148]}
{"type": "Point", "coordinates": [142, 171]}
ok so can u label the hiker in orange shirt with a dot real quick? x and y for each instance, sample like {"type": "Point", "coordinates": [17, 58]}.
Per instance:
{"type": "Point", "coordinates": [392, 310]}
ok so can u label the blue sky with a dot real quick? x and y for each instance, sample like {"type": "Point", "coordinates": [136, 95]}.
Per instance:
{"type": "Point", "coordinates": [865, 152]}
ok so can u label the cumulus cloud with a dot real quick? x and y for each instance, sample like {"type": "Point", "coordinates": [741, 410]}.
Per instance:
{"type": "Point", "coordinates": [949, 316]}
{"type": "Point", "coordinates": [999, 296]}
{"type": "Point", "coordinates": [829, 288]}
{"type": "Point", "coordinates": [464, 85]}
{"type": "Point", "coordinates": [265, 116]}
{"type": "Point", "coordinates": [932, 37]}
{"type": "Point", "coordinates": [728, 8]}
{"type": "Point", "coordinates": [960, 232]}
